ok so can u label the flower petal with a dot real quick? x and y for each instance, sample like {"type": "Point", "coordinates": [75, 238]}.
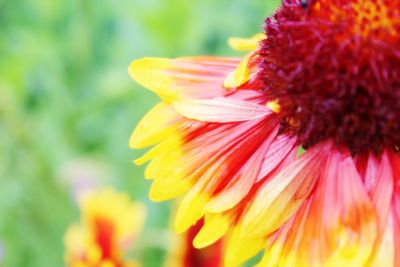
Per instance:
{"type": "Point", "coordinates": [384, 254]}
{"type": "Point", "coordinates": [395, 210]}
{"type": "Point", "coordinates": [396, 227]}
{"type": "Point", "coordinates": [241, 249]}
{"type": "Point", "coordinates": [246, 44]}
{"type": "Point", "coordinates": [221, 109]}
{"type": "Point", "coordinates": [218, 169]}
{"type": "Point", "coordinates": [240, 75]}
{"type": "Point", "coordinates": [195, 77]}
{"type": "Point", "coordinates": [282, 195]}
{"type": "Point", "coordinates": [242, 182]}
{"type": "Point", "coordinates": [351, 217]}
{"type": "Point", "coordinates": [155, 126]}
{"type": "Point", "coordinates": [337, 226]}
{"type": "Point", "coordinates": [379, 183]}
{"type": "Point", "coordinates": [277, 152]}
{"type": "Point", "coordinates": [216, 225]}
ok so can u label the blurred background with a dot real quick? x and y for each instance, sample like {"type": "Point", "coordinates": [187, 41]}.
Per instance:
{"type": "Point", "coordinates": [68, 107]}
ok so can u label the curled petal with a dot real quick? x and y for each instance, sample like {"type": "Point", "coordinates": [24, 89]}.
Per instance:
{"type": "Point", "coordinates": [240, 75]}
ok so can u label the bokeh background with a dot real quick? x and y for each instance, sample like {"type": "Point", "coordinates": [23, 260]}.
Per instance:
{"type": "Point", "coordinates": [68, 107]}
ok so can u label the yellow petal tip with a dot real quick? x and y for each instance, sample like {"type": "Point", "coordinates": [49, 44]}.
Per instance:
{"type": "Point", "coordinates": [274, 106]}
{"type": "Point", "coordinates": [239, 76]}
{"type": "Point", "coordinates": [190, 211]}
{"type": "Point", "coordinates": [245, 44]}
{"type": "Point", "coordinates": [152, 73]}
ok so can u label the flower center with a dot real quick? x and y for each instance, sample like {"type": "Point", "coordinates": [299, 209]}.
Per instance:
{"type": "Point", "coordinates": [334, 68]}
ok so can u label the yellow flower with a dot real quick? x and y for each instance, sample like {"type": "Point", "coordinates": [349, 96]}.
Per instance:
{"type": "Point", "coordinates": [110, 224]}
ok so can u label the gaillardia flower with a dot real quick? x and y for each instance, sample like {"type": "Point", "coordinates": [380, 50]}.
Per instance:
{"type": "Point", "coordinates": [110, 223]}
{"type": "Point", "coordinates": [294, 148]}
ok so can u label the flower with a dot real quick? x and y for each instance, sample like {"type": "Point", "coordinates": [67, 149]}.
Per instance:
{"type": "Point", "coordinates": [110, 223]}
{"type": "Point", "coordinates": [183, 254]}
{"type": "Point", "coordinates": [294, 148]}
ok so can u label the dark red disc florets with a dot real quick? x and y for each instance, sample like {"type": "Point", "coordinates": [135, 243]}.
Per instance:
{"type": "Point", "coordinates": [334, 68]}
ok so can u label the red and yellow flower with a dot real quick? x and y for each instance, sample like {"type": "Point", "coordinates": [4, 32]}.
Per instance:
{"type": "Point", "coordinates": [229, 136]}
{"type": "Point", "coordinates": [110, 223]}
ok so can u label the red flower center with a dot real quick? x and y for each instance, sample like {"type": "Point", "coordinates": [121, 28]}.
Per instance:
{"type": "Point", "coordinates": [334, 68]}
{"type": "Point", "coordinates": [104, 234]}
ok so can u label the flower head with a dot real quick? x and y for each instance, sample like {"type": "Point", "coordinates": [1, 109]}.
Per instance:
{"type": "Point", "coordinates": [334, 70]}
{"type": "Point", "coordinates": [110, 223]}
{"type": "Point", "coordinates": [228, 132]}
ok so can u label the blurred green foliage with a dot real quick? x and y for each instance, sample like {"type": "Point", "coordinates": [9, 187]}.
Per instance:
{"type": "Point", "coordinates": [66, 101]}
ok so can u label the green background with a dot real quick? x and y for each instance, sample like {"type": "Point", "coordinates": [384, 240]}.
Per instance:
{"type": "Point", "coordinates": [68, 107]}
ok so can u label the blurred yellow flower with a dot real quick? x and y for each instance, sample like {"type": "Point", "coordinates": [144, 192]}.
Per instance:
{"type": "Point", "coordinates": [110, 222]}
